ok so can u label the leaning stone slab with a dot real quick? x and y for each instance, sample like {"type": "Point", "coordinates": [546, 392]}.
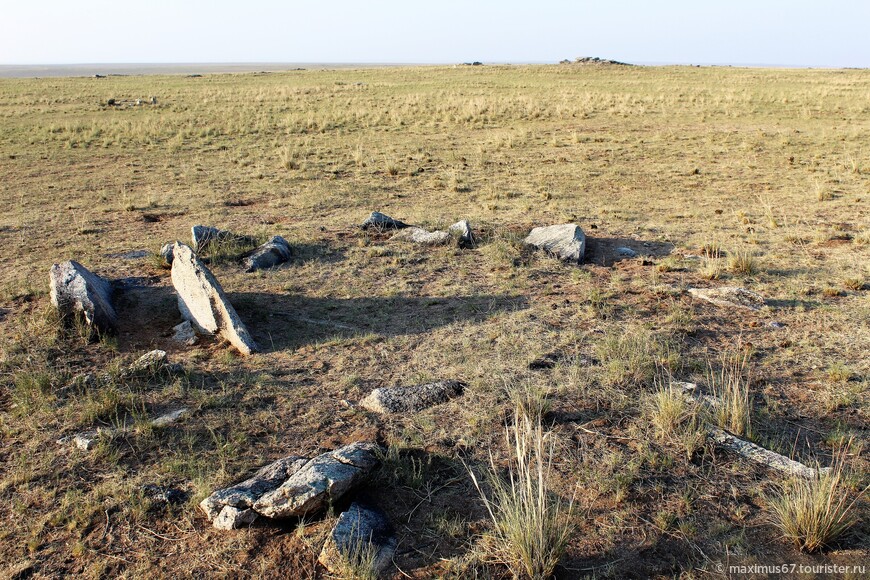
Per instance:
{"type": "Point", "coordinates": [74, 289]}
{"type": "Point", "coordinates": [243, 495]}
{"type": "Point", "coordinates": [566, 242]}
{"type": "Point", "coordinates": [362, 532]}
{"type": "Point", "coordinates": [201, 300]}
{"type": "Point", "coordinates": [275, 251]}
{"type": "Point", "coordinates": [411, 399]}
{"type": "Point", "coordinates": [421, 236]}
{"type": "Point", "coordinates": [324, 479]}
{"type": "Point", "coordinates": [380, 221]}
{"type": "Point", "coordinates": [462, 230]}
{"type": "Point", "coordinates": [729, 296]}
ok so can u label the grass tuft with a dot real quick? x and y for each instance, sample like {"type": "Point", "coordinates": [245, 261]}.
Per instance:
{"type": "Point", "coordinates": [730, 385]}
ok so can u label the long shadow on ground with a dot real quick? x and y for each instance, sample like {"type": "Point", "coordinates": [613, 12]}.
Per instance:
{"type": "Point", "coordinates": [282, 321]}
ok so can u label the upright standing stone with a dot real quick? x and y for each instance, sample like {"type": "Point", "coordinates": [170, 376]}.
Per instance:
{"type": "Point", "coordinates": [201, 300]}
{"type": "Point", "coordinates": [567, 241]}
{"type": "Point", "coordinates": [74, 289]}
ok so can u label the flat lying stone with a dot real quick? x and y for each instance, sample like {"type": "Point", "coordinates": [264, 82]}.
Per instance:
{"type": "Point", "coordinates": [170, 417]}
{"type": "Point", "coordinates": [421, 236]}
{"type": "Point", "coordinates": [380, 221]}
{"type": "Point", "coordinates": [76, 290]}
{"type": "Point", "coordinates": [362, 535]}
{"type": "Point", "coordinates": [275, 251]}
{"type": "Point", "coordinates": [462, 230]}
{"type": "Point", "coordinates": [201, 300]}
{"type": "Point", "coordinates": [243, 495]}
{"type": "Point", "coordinates": [151, 361]}
{"type": "Point", "coordinates": [324, 479]}
{"type": "Point", "coordinates": [566, 242]}
{"type": "Point", "coordinates": [729, 296]}
{"type": "Point", "coordinates": [411, 399]}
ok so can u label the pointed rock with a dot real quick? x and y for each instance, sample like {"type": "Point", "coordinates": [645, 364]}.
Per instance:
{"type": "Point", "coordinates": [566, 242]}
{"type": "Point", "coordinates": [201, 300]}
{"type": "Point", "coordinates": [275, 251]}
{"type": "Point", "coordinates": [462, 230]}
{"type": "Point", "coordinates": [380, 221]}
{"type": "Point", "coordinates": [411, 399]}
{"type": "Point", "coordinates": [421, 236]}
{"type": "Point", "coordinates": [76, 290]}
{"type": "Point", "coordinates": [362, 533]}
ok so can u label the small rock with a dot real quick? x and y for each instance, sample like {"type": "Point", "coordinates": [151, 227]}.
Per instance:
{"type": "Point", "coordinates": [152, 361]}
{"type": "Point", "coordinates": [275, 251]}
{"type": "Point", "coordinates": [380, 221]}
{"type": "Point", "coordinates": [185, 334]}
{"type": "Point", "coordinates": [201, 300]}
{"type": "Point", "coordinates": [730, 296]}
{"type": "Point", "coordinates": [322, 481]}
{"type": "Point", "coordinates": [624, 252]}
{"type": "Point", "coordinates": [776, 325]}
{"type": "Point", "coordinates": [567, 241]}
{"type": "Point", "coordinates": [362, 532]}
{"type": "Point", "coordinates": [411, 399]}
{"type": "Point", "coordinates": [170, 418]}
{"type": "Point", "coordinates": [164, 494]}
{"type": "Point", "coordinates": [462, 229]}
{"type": "Point", "coordinates": [166, 252]}
{"type": "Point", "coordinates": [86, 441]}
{"type": "Point", "coordinates": [421, 236]}
{"type": "Point", "coordinates": [74, 289]}
{"type": "Point", "coordinates": [203, 236]}
{"type": "Point", "coordinates": [232, 518]}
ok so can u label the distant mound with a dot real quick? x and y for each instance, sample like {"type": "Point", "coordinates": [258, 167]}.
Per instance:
{"type": "Point", "coordinates": [594, 60]}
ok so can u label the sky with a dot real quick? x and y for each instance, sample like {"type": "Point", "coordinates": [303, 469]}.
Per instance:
{"type": "Point", "coordinates": [776, 32]}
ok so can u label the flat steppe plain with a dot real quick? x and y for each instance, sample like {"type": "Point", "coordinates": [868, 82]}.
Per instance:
{"type": "Point", "coordinates": [757, 178]}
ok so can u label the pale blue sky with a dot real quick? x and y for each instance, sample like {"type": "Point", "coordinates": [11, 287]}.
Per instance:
{"type": "Point", "coordinates": [785, 32]}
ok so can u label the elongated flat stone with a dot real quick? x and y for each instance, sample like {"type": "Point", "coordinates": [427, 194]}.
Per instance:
{"type": "Point", "coordinates": [411, 399]}
{"type": "Point", "coordinates": [729, 296]}
{"type": "Point", "coordinates": [380, 221]}
{"type": "Point", "coordinates": [421, 236]}
{"type": "Point", "coordinates": [201, 300]}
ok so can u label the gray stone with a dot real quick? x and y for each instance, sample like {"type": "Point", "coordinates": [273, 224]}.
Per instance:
{"type": "Point", "coordinates": [166, 252]}
{"type": "Point", "coordinates": [624, 252]}
{"type": "Point", "coordinates": [362, 532]}
{"type": "Point", "coordinates": [462, 230]}
{"type": "Point", "coordinates": [86, 441]}
{"type": "Point", "coordinates": [74, 289]}
{"type": "Point", "coordinates": [324, 479]}
{"type": "Point", "coordinates": [243, 495]}
{"type": "Point", "coordinates": [275, 251]}
{"type": "Point", "coordinates": [380, 221]}
{"type": "Point", "coordinates": [729, 296]}
{"type": "Point", "coordinates": [185, 334]}
{"type": "Point", "coordinates": [776, 325]}
{"type": "Point", "coordinates": [421, 236]}
{"type": "Point", "coordinates": [204, 236]}
{"type": "Point", "coordinates": [232, 518]}
{"type": "Point", "coordinates": [170, 417]}
{"type": "Point", "coordinates": [411, 399]}
{"type": "Point", "coordinates": [201, 300]}
{"type": "Point", "coordinates": [152, 361]}
{"type": "Point", "coordinates": [566, 242]}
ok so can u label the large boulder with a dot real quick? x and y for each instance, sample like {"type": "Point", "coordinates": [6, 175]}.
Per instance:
{"type": "Point", "coordinates": [729, 296]}
{"type": "Point", "coordinates": [566, 242]}
{"type": "Point", "coordinates": [379, 221]}
{"type": "Point", "coordinates": [362, 536]}
{"type": "Point", "coordinates": [411, 399]}
{"type": "Point", "coordinates": [275, 251]}
{"type": "Point", "coordinates": [240, 498]}
{"type": "Point", "coordinates": [76, 290]}
{"type": "Point", "coordinates": [421, 236]}
{"type": "Point", "coordinates": [323, 480]}
{"type": "Point", "coordinates": [201, 300]}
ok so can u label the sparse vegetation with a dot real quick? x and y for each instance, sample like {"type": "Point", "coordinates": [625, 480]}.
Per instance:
{"type": "Point", "coordinates": [730, 386]}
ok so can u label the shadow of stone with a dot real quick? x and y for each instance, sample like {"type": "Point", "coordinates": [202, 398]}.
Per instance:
{"type": "Point", "coordinates": [603, 251]}
{"type": "Point", "coordinates": [286, 321]}
{"type": "Point", "coordinates": [147, 310]}
{"type": "Point", "coordinates": [323, 253]}
{"type": "Point", "coordinates": [782, 303]}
